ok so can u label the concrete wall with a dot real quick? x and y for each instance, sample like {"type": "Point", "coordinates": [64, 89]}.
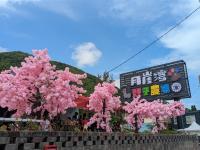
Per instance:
{"type": "Point", "coordinates": [95, 141]}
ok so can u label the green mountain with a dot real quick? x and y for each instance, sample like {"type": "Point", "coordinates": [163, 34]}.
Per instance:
{"type": "Point", "coordinates": [15, 58]}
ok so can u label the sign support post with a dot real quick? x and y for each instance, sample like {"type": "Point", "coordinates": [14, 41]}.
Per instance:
{"type": "Point", "coordinates": [179, 118]}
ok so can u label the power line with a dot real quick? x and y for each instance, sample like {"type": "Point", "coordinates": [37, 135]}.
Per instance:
{"type": "Point", "coordinates": [155, 41]}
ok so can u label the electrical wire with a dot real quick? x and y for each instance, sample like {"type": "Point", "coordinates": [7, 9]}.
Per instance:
{"type": "Point", "coordinates": [155, 41]}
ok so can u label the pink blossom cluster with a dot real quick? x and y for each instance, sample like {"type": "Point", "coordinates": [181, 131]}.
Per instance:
{"type": "Point", "coordinates": [136, 108]}
{"type": "Point", "coordinates": [155, 110]}
{"type": "Point", "coordinates": [104, 95]}
{"type": "Point", "coordinates": [37, 86]}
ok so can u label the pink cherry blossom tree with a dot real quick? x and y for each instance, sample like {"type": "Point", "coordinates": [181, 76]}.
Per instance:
{"type": "Point", "coordinates": [162, 112]}
{"type": "Point", "coordinates": [139, 109]}
{"type": "Point", "coordinates": [136, 112]}
{"type": "Point", "coordinates": [103, 102]}
{"type": "Point", "coordinates": [37, 86]}
{"type": "Point", "coordinates": [177, 109]}
{"type": "Point", "coordinates": [159, 113]}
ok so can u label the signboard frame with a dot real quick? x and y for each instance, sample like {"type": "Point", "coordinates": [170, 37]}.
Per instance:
{"type": "Point", "coordinates": [128, 85]}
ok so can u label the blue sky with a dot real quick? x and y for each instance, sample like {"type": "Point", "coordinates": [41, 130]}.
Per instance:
{"type": "Point", "coordinates": [97, 35]}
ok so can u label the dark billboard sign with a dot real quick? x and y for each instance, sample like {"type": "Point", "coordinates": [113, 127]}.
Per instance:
{"type": "Point", "coordinates": [166, 82]}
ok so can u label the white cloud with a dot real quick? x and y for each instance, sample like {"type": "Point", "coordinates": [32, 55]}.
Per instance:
{"type": "Point", "coordinates": [126, 10]}
{"type": "Point", "coordinates": [8, 7]}
{"type": "Point", "coordinates": [117, 83]}
{"type": "Point", "coordinates": [11, 3]}
{"type": "Point", "coordinates": [86, 54]}
{"type": "Point", "coordinates": [135, 10]}
{"type": "Point", "coordinates": [2, 49]}
{"type": "Point", "coordinates": [180, 7]}
{"type": "Point", "coordinates": [61, 7]}
{"type": "Point", "coordinates": [184, 41]}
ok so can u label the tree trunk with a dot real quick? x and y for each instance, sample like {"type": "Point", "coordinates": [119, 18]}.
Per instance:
{"type": "Point", "coordinates": [136, 123]}
{"type": "Point", "coordinates": [104, 110]}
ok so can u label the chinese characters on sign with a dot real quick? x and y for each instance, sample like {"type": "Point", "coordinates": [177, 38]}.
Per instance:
{"type": "Point", "coordinates": [166, 81]}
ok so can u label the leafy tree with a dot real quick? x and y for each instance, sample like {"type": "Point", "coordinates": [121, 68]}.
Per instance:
{"type": "Point", "coordinates": [193, 108]}
{"type": "Point", "coordinates": [106, 77]}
